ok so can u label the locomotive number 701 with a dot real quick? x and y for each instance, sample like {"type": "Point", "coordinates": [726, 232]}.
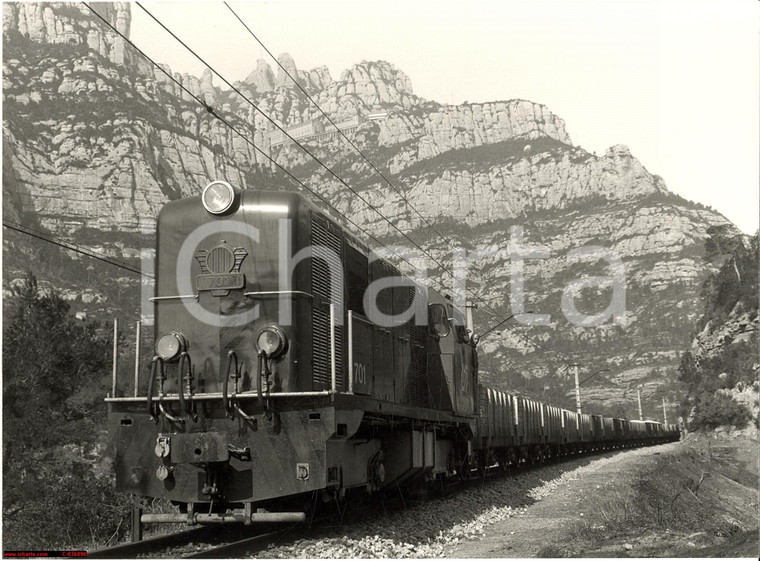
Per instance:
{"type": "Point", "coordinates": [360, 373]}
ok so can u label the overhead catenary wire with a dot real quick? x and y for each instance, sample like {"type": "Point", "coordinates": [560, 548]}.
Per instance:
{"type": "Point", "coordinates": [339, 131]}
{"type": "Point", "coordinates": [71, 247]}
{"type": "Point", "coordinates": [213, 112]}
{"type": "Point", "coordinates": [75, 247]}
{"type": "Point", "coordinates": [364, 157]}
{"type": "Point", "coordinates": [311, 154]}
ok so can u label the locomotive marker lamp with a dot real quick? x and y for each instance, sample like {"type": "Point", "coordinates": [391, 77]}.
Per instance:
{"type": "Point", "coordinates": [272, 341]}
{"type": "Point", "coordinates": [171, 345]}
{"type": "Point", "coordinates": [218, 197]}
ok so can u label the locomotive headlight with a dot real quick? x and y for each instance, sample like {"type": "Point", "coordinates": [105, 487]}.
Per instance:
{"type": "Point", "coordinates": [218, 197]}
{"type": "Point", "coordinates": [272, 341]}
{"type": "Point", "coordinates": [169, 346]}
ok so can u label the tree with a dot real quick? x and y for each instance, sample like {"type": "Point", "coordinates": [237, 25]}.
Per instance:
{"type": "Point", "coordinates": [48, 357]}
{"type": "Point", "coordinates": [54, 368]}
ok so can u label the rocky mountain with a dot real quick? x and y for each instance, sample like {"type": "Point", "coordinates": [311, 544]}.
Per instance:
{"type": "Point", "coordinates": [96, 140]}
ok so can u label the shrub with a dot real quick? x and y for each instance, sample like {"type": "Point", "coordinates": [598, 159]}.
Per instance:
{"type": "Point", "coordinates": [719, 410]}
{"type": "Point", "coordinates": [65, 507]}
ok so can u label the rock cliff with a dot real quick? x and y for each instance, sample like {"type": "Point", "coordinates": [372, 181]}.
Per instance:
{"type": "Point", "coordinates": [96, 140]}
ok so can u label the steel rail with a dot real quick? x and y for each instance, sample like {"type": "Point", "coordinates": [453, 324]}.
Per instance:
{"type": "Point", "coordinates": [148, 545]}
{"type": "Point", "coordinates": [236, 549]}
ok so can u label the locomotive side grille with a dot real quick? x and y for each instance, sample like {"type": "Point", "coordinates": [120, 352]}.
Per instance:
{"type": "Point", "coordinates": [418, 380]}
{"type": "Point", "coordinates": [323, 235]}
{"type": "Point", "coordinates": [320, 328]}
{"type": "Point", "coordinates": [320, 272]}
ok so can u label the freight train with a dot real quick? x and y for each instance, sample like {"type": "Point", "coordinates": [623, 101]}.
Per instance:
{"type": "Point", "coordinates": [292, 365]}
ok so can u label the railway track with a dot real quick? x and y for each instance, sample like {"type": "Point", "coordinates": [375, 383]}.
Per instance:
{"type": "Point", "coordinates": [208, 542]}
{"type": "Point", "coordinates": [240, 548]}
{"type": "Point", "coordinates": [236, 541]}
{"type": "Point", "coordinates": [149, 545]}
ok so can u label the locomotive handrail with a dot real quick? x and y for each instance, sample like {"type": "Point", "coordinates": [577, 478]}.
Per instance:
{"type": "Point", "coordinates": [277, 293]}
{"type": "Point", "coordinates": [231, 354]}
{"type": "Point", "coordinates": [218, 395]}
{"type": "Point", "coordinates": [350, 315]}
{"type": "Point", "coordinates": [177, 297]}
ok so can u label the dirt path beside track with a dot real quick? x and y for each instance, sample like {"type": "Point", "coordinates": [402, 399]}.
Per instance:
{"type": "Point", "coordinates": [684, 499]}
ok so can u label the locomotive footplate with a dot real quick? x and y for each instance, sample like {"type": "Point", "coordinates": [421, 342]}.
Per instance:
{"type": "Point", "coordinates": [199, 448]}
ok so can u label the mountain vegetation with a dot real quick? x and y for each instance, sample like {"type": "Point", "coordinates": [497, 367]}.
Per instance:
{"type": "Point", "coordinates": [54, 372]}
{"type": "Point", "coordinates": [720, 370]}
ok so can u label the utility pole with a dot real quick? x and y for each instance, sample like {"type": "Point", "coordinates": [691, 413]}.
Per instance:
{"type": "Point", "coordinates": [138, 332]}
{"type": "Point", "coordinates": [664, 412]}
{"type": "Point", "coordinates": [577, 391]}
{"type": "Point", "coordinates": [115, 359]}
{"type": "Point", "coordinates": [641, 415]}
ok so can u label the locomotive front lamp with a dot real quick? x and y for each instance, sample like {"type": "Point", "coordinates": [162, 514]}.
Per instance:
{"type": "Point", "coordinates": [218, 197]}
{"type": "Point", "coordinates": [169, 346]}
{"type": "Point", "coordinates": [272, 341]}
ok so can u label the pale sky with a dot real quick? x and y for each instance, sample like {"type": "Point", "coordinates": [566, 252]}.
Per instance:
{"type": "Point", "coordinates": [677, 81]}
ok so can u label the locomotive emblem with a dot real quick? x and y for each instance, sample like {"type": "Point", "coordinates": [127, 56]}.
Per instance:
{"type": "Point", "coordinates": [221, 269]}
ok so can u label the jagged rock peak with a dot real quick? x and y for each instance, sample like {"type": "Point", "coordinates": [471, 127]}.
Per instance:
{"type": "Point", "coordinates": [283, 80]}
{"type": "Point", "coordinates": [619, 150]}
{"type": "Point", "coordinates": [378, 71]}
{"type": "Point", "coordinates": [376, 84]}
{"type": "Point", "coordinates": [317, 78]}
{"type": "Point", "coordinates": [72, 23]}
{"type": "Point", "coordinates": [262, 78]}
{"type": "Point", "coordinates": [207, 87]}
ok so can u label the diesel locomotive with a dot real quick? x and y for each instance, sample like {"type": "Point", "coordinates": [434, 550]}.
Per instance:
{"type": "Point", "coordinates": [292, 364]}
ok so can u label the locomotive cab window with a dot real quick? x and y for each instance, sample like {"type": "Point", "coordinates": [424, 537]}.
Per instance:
{"type": "Point", "coordinates": [438, 320]}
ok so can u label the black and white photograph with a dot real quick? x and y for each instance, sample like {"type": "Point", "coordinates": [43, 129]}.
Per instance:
{"type": "Point", "coordinates": [380, 279]}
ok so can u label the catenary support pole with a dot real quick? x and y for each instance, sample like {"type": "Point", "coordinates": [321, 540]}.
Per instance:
{"type": "Point", "coordinates": [138, 330]}
{"type": "Point", "coordinates": [115, 355]}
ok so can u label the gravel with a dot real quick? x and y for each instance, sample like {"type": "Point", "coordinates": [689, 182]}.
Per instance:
{"type": "Point", "coordinates": [425, 529]}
